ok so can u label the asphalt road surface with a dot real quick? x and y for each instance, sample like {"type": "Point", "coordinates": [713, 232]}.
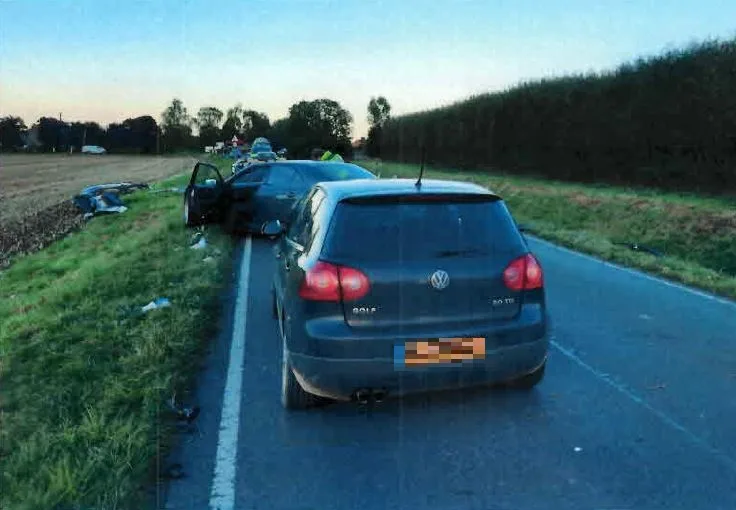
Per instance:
{"type": "Point", "coordinates": [637, 411]}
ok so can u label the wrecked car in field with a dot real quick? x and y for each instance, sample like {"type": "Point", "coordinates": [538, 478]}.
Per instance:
{"type": "Point", "coordinates": [258, 194]}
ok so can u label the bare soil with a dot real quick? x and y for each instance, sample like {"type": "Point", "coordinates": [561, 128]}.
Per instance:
{"type": "Point", "coordinates": [36, 192]}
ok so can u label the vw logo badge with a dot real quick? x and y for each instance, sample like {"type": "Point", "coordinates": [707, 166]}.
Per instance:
{"type": "Point", "coordinates": [439, 279]}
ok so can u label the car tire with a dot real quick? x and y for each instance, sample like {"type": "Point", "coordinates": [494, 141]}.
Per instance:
{"type": "Point", "coordinates": [192, 216]}
{"type": "Point", "coordinates": [293, 396]}
{"type": "Point", "coordinates": [528, 381]}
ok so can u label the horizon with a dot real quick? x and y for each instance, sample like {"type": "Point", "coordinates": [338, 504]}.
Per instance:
{"type": "Point", "coordinates": [103, 62]}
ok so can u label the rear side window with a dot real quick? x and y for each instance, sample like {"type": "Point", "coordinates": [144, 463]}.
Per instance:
{"type": "Point", "coordinates": [304, 227]}
{"type": "Point", "coordinates": [253, 174]}
{"type": "Point", "coordinates": [421, 230]}
{"type": "Point", "coordinates": [284, 177]}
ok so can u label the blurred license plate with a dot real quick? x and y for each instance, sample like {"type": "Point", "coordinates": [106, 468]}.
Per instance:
{"type": "Point", "coordinates": [444, 350]}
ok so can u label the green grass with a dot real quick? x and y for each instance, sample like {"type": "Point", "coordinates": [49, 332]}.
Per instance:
{"type": "Point", "coordinates": [83, 376]}
{"type": "Point", "coordinates": [697, 235]}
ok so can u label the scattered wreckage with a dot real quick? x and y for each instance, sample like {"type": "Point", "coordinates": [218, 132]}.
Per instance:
{"type": "Point", "coordinates": [105, 198]}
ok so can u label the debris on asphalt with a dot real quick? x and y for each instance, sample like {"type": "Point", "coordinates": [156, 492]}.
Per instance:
{"type": "Point", "coordinates": [104, 198]}
{"type": "Point", "coordinates": [183, 414]}
{"type": "Point", "coordinates": [156, 304]}
{"type": "Point", "coordinates": [578, 449]}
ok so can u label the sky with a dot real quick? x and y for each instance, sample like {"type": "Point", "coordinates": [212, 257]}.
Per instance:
{"type": "Point", "coordinates": [108, 60]}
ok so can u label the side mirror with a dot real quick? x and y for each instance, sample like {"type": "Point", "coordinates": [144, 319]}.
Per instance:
{"type": "Point", "coordinates": [210, 183]}
{"type": "Point", "coordinates": [272, 228]}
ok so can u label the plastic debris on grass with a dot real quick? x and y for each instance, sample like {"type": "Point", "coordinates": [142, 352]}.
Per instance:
{"type": "Point", "coordinates": [156, 304]}
{"type": "Point", "coordinates": [198, 241]}
{"type": "Point", "coordinates": [105, 198]}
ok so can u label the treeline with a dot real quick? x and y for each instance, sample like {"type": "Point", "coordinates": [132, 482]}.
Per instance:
{"type": "Point", "coordinates": [320, 123]}
{"type": "Point", "coordinates": [667, 121]}
{"type": "Point", "coordinates": [49, 134]}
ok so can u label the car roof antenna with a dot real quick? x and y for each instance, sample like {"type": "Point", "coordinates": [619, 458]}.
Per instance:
{"type": "Point", "coordinates": [418, 184]}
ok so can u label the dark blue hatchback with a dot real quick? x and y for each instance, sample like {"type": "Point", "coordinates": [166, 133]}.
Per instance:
{"type": "Point", "coordinates": [386, 288]}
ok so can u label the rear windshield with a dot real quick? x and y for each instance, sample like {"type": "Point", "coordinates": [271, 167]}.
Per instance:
{"type": "Point", "coordinates": [421, 231]}
{"type": "Point", "coordinates": [334, 172]}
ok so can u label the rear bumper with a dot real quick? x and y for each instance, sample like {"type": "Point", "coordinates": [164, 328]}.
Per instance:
{"type": "Point", "coordinates": [340, 378]}
{"type": "Point", "coordinates": [336, 367]}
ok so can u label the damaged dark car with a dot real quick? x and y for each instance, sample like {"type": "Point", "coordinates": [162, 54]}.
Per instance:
{"type": "Point", "coordinates": [259, 194]}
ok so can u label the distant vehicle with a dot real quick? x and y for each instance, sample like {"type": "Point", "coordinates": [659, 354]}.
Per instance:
{"type": "Point", "coordinates": [266, 156]}
{"type": "Point", "coordinates": [258, 193]}
{"type": "Point", "coordinates": [238, 166]}
{"type": "Point", "coordinates": [385, 288]}
{"type": "Point", "coordinates": [93, 149]}
{"type": "Point", "coordinates": [259, 145]}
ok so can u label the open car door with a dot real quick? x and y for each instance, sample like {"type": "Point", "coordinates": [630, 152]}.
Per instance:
{"type": "Point", "coordinates": [203, 195]}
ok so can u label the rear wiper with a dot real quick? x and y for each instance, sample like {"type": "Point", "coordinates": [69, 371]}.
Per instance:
{"type": "Point", "coordinates": [458, 253]}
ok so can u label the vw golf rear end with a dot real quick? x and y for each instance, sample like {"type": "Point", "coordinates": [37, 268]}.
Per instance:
{"type": "Point", "coordinates": [416, 290]}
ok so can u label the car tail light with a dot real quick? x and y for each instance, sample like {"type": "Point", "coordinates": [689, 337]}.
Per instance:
{"type": "Point", "coordinates": [523, 273]}
{"type": "Point", "coordinates": [330, 282]}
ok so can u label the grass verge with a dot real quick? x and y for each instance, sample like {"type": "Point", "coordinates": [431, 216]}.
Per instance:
{"type": "Point", "coordinates": [695, 235]}
{"type": "Point", "coordinates": [83, 373]}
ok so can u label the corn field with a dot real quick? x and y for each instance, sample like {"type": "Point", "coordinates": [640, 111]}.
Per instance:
{"type": "Point", "coordinates": [668, 121]}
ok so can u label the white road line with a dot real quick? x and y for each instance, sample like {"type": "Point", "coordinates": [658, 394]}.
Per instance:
{"type": "Point", "coordinates": [222, 496]}
{"type": "Point", "coordinates": [731, 463]}
{"type": "Point", "coordinates": [641, 274]}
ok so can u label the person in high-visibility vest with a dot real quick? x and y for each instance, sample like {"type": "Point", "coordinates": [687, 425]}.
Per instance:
{"type": "Point", "coordinates": [334, 158]}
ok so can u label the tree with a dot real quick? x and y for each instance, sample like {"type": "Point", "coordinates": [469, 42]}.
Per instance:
{"type": "Point", "coordinates": [379, 111]}
{"type": "Point", "coordinates": [53, 133]}
{"type": "Point", "coordinates": [208, 122]}
{"type": "Point", "coordinates": [320, 123]}
{"type": "Point", "coordinates": [279, 134]}
{"type": "Point", "coordinates": [143, 133]}
{"type": "Point", "coordinates": [255, 124]}
{"type": "Point", "coordinates": [233, 122]}
{"type": "Point", "coordinates": [12, 130]}
{"type": "Point", "coordinates": [177, 126]}
{"type": "Point", "coordinates": [86, 133]}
